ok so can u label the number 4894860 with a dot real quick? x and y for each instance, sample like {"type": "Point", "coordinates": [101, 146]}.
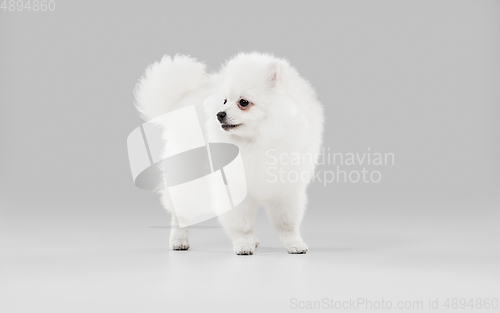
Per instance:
{"type": "Point", "coordinates": [30, 5]}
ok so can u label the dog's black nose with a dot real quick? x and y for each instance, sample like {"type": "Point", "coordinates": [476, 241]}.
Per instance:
{"type": "Point", "coordinates": [221, 116]}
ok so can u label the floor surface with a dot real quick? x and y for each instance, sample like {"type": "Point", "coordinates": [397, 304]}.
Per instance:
{"type": "Point", "coordinates": [356, 263]}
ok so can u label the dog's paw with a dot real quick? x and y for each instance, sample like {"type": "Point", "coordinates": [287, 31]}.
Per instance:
{"type": "Point", "coordinates": [300, 248]}
{"type": "Point", "coordinates": [245, 249]}
{"type": "Point", "coordinates": [256, 241]}
{"type": "Point", "coordinates": [180, 245]}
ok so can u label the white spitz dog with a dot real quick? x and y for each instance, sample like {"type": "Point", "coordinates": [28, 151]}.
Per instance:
{"type": "Point", "coordinates": [261, 104]}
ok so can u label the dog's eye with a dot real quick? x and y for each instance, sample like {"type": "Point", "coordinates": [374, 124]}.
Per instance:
{"type": "Point", "coordinates": [225, 100]}
{"type": "Point", "coordinates": [243, 102]}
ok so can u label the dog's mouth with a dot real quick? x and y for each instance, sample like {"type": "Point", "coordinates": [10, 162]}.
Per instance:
{"type": "Point", "coordinates": [229, 127]}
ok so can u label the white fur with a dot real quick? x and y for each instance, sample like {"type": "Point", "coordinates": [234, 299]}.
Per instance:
{"type": "Point", "coordinates": [284, 115]}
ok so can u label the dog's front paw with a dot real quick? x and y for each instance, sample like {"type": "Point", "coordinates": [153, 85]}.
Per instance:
{"type": "Point", "coordinates": [256, 241]}
{"type": "Point", "coordinates": [244, 249]}
{"type": "Point", "coordinates": [300, 248]}
{"type": "Point", "coordinates": [181, 244]}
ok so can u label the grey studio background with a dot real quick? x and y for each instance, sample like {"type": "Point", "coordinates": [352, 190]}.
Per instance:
{"type": "Point", "coordinates": [417, 79]}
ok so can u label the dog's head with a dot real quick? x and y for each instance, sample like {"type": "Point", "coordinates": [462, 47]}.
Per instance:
{"type": "Point", "coordinates": [251, 94]}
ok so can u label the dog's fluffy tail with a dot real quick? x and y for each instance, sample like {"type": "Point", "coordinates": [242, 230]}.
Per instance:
{"type": "Point", "coordinates": [166, 82]}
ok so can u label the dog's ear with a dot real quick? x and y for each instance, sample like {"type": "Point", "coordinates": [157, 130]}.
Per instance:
{"type": "Point", "coordinates": [275, 76]}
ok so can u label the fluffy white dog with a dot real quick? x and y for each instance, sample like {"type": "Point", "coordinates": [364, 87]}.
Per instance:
{"type": "Point", "coordinates": [259, 103]}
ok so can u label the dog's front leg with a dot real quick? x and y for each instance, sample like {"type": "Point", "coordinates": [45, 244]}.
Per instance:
{"type": "Point", "coordinates": [286, 215]}
{"type": "Point", "coordinates": [239, 223]}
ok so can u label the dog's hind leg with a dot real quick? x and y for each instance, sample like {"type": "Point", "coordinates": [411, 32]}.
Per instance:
{"type": "Point", "coordinates": [178, 236]}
